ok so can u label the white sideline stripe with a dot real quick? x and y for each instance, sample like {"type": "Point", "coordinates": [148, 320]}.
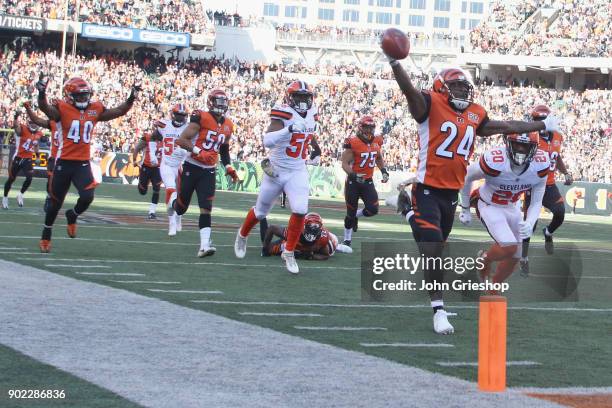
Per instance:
{"type": "Point", "coordinates": [25, 253]}
{"type": "Point", "coordinates": [339, 328]}
{"type": "Point", "coordinates": [369, 305]}
{"type": "Point", "coordinates": [279, 265]}
{"type": "Point", "coordinates": [77, 266]}
{"type": "Point", "coordinates": [110, 273]}
{"type": "Point", "coordinates": [475, 364]}
{"type": "Point", "coordinates": [10, 248]}
{"type": "Point", "coordinates": [136, 281]}
{"type": "Point", "coordinates": [126, 359]}
{"type": "Point", "coordinates": [406, 345]}
{"type": "Point", "coordinates": [208, 292]}
{"type": "Point", "coordinates": [564, 390]}
{"type": "Point", "coordinates": [281, 314]}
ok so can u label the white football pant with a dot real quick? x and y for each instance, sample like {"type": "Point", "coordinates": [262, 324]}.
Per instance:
{"type": "Point", "coordinates": [295, 183]}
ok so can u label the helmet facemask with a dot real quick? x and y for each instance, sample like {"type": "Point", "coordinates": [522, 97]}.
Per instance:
{"type": "Point", "coordinates": [301, 101]}
{"type": "Point", "coordinates": [219, 105]}
{"type": "Point", "coordinates": [460, 93]}
{"type": "Point", "coordinates": [366, 132]}
{"type": "Point", "coordinates": [81, 99]}
{"type": "Point", "coordinates": [521, 152]}
{"type": "Point", "coordinates": [179, 118]}
{"type": "Point", "coordinates": [312, 231]}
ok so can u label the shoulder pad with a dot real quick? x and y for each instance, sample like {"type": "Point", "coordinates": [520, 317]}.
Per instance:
{"type": "Point", "coordinates": [196, 116]}
{"type": "Point", "coordinates": [491, 162]}
{"type": "Point", "coordinates": [282, 112]}
{"type": "Point", "coordinates": [541, 163]}
{"type": "Point", "coordinates": [347, 143]}
{"type": "Point", "coordinates": [160, 124]}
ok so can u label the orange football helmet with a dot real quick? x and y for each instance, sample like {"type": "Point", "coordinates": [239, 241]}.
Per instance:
{"type": "Point", "coordinates": [77, 92]}
{"type": "Point", "coordinates": [456, 85]}
{"type": "Point", "coordinates": [218, 102]}
{"type": "Point", "coordinates": [313, 226]}
{"type": "Point", "coordinates": [522, 147]}
{"type": "Point", "coordinates": [179, 114]}
{"type": "Point", "coordinates": [365, 128]}
{"type": "Point", "coordinates": [539, 112]}
{"type": "Point", "coordinates": [299, 96]}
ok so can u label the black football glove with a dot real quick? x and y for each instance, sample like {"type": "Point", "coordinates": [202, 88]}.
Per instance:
{"type": "Point", "coordinates": [136, 88]}
{"type": "Point", "coordinates": [42, 83]}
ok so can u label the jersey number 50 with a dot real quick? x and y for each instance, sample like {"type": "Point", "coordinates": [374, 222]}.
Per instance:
{"type": "Point", "coordinates": [74, 133]}
{"type": "Point", "coordinates": [213, 141]}
{"type": "Point", "coordinates": [465, 145]}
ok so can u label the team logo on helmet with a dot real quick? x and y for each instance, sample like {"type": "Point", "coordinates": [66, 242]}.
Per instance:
{"type": "Point", "coordinates": [77, 92]}
{"type": "Point", "coordinates": [456, 85]}
{"type": "Point", "coordinates": [299, 96]}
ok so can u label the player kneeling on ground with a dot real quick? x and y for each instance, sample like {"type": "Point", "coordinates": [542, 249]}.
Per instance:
{"type": "Point", "coordinates": [508, 173]}
{"type": "Point", "coordinates": [315, 242]}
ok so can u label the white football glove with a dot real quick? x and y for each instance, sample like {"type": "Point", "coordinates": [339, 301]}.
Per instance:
{"type": "Point", "coordinates": [465, 216]}
{"type": "Point", "coordinates": [552, 123]}
{"type": "Point", "coordinates": [525, 229]}
{"type": "Point", "coordinates": [268, 168]}
{"type": "Point", "coordinates": [297, 127]}
{"type": "Point", "coordinates": [314, 161]}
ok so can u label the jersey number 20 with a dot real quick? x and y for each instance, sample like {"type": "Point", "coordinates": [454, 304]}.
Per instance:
{"type": "Point", "coordinates": [465, 145]}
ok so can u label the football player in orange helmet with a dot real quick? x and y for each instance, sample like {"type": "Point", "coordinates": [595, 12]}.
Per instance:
{"type": "Point", "coordinates": [551, 143]}
{"type": "Point", "coordinates": [449, 120]}
{"type": "Point", "coordinates": [77, 116]}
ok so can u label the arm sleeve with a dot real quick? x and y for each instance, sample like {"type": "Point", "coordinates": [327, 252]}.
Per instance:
{"type": "Point", "coordinates": [537, 194]}
{"type": "Point", "coordinates": [152, 150]}
{"type": "Point", "coordinates": [427, 98]}
{"type": "Point", "coordinates": [225, 155]}
{"type": "Point", "coordinates": [474, 172]}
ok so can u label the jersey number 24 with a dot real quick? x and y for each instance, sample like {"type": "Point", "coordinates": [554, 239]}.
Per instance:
{"type": "Point", "coordinates": [465, 145]}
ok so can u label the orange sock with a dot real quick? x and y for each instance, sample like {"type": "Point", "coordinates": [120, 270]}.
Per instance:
{"type": "Point", "coordinates": [249, 222]}
{"type": "Point", "coordinates": [169, 192]}
{"type": "Point", "coordinates": [294, 229]}
{"type": "Point", "coordinates": [498, 253]}
{"type": "Point", "coordinates": [504, 269]}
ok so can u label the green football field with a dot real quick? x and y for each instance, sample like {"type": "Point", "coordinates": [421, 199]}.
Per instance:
{"type": "Point", "coordinates": [562, 344]}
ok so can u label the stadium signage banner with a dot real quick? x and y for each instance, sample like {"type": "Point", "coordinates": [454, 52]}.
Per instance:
{"type": "Point", "coordinates": [135, 35]}
{"type": "Point", "coordinates": [22, 23]}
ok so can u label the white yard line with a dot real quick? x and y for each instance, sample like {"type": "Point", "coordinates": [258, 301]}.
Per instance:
{"type": "Point", "coordinates": [339, 328]}
{"type": "Point", "coordinates": [159, 354]}
{"type": "Point", "coordinates": [565, 390]}
{"type": "Point", "coordinates": [208, 292]}
{"type": "Point", "coordinates": [109, 274]}
{"type": "Point", "coordinates": [280, 314]}
{"type": "Point", "coordinates": [416, 345]}
{"type": "Point", "coordinates": [25, 253]}
{"type": "Point", "coordinates": [77, 266]}
{"type": "Point", "coordinates": [10, 248]}
{"type": "Point", "coordinates": [143, 281]}
{"type": "Point", "coordinates": [475, 364]}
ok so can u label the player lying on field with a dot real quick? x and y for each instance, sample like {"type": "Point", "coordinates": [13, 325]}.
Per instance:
{"type": "Point", "coordinates": [315, 242]}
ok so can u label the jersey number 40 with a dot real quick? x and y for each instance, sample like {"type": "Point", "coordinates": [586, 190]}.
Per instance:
{"type": "Point", "coordinates": [76, 134]}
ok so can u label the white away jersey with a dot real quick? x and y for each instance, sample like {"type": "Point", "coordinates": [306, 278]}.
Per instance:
{"type": "Point", "coordinates": [502, 187]}
{"type": "Point", "coordinates": [292, 153]}
{"type": "Point", "coordinates": [171, 155]}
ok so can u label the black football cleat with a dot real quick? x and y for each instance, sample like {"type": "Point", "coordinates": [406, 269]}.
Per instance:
{"type": "Point", "coordinates": [548, 243]}
{"type": "Point", "coordinates": [524, 267]}
{"type": "Point", "coordinates": [404, 205]}
{"type": "Point", "coordinates": [347, 242]}
{"type": "Point", "coordinates": [152, 216]}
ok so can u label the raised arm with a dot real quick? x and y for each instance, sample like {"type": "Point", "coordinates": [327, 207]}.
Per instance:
{"type": "Point", "coordinates": [496, 127]}
{"type": "Point", "coordinates": [118, 111]}
{"type": "Point", "coordinates": [50, 110]}
{"type": "Point", "coordinates": [16, 124]}
{"type": "Point", "coordinates": [44, 123]}
{"type": "Point", "coordinates": [416, 101]}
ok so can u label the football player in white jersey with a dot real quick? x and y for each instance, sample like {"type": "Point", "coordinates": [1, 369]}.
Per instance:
{"type": "Point", "coordinates": [292, 130]}
{"type": "Point", "coordinates": [508, 173]}
{"type": "Point", "coordinates": [168, 130]}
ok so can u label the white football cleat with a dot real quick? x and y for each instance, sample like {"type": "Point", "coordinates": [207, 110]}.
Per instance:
{"type": "Point", "coordinates": [5, 203]}
{"type": "Point", "coordinates": [179, 222]}
{"type": "Point", "coordinates": [20, 199]}
{"type": "Point", "coordinates": [344, 249]}
{"type": "Point", "coordinates": [240, 245]}
{"type": "Point", "coordinates": [206, 251]}
{"type": "Point", "coordinates": [441, 323]}
{"type": "Point", "coordinates": [172, 225]}
{"type": "Point", "coordinates": [289, 258]}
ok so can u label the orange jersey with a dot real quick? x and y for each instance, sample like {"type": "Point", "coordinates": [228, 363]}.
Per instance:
{"type": "Point", "coordinates": [54, 138]}
{"type": "Point", "coordinates": [446, 142]}
{"type": "Point", "coordinates": [153, 149]}
{"type": "Point", "coordinates": [26, 142]}
{"type": "Point", "coordinates": [326, 240]}
{"type": "Point", "coordinates": [210, 138]}
{"type": "Point", "coordinates": [76, 128]}
{"type": "Point", "coordinates": [553, 148]}
{"type": "Point", "coordinates": [364, 154]}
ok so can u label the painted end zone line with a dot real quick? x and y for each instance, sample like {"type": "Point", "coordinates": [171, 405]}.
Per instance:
{"type": "Point", "coordinates": [142, 281]}
{"type": "Point", "coordinates": [475, 364]}
{"type": "Point", "coordinates": [110, 273]}
{"type": "Point", "coordinates": [339, 328]}
{"type": "Point", "coordinates": [24, 253]}
{"type": "Point", "coordinates": [208, 292]}
{"type": "Point", "coordinates": [281, 314]}
{"type": "Point", "coordinates": [78, 266]}
{"type": "Point", "coordinates": [406, 345]}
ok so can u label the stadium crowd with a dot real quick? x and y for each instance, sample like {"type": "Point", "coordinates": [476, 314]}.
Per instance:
{"type": "Point", "coordinates": [586, 115]}
{"type": "Point", "coordinates": [170, 15]}
{"type": "Point", "coordinates": [580, 29]}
